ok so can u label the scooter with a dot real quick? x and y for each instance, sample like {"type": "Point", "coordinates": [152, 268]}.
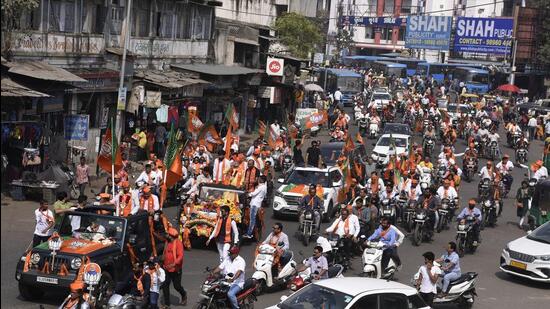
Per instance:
{"type": "Point", "coordinates": [265, 274]}
{"type": "Point", "coordinates": [214, 293]}
{"type": "Point", "coordinates": [425, 177]}
{"type": "Point", "coordinates": [462, 291]}
{"type": "Point", "coordinates": [372, 262]}
{"type": "Point", "coordinates": [117, 301]}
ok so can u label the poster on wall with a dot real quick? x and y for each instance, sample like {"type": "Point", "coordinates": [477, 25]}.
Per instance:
{"type": "Point", "coordinates": [428, 32]}
{"type": "Point", "coordinates": [76, 127]}
{"type": "Point", "coordinates": [484, 35]}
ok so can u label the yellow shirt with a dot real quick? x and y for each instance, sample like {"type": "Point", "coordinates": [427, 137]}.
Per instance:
{"type": "Point", "coordinates": [428, 165]}
{"type": "Point", "coordinates": [142, 141]}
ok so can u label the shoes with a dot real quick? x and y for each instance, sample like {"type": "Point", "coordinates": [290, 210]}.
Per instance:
{"type": "Point", "coordinates": [247, 236]}
{"type": "Point", "coordinates": [183, 301]}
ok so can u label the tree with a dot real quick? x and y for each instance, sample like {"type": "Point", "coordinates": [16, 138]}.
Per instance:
{"type": "Point", "coordinates": [543, 51]}
{"type": "Point", "coordinates": [12, 11]}
{"type": "Point", "coordinates": [298, 34]}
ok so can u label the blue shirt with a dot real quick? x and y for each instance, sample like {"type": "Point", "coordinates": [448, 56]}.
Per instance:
{"type": "Point", "coordinates": [452, 258]}
{"type": "Point", "coordinates": [388, 239]}
{"type": "Point", "coordinates": [476, 213]}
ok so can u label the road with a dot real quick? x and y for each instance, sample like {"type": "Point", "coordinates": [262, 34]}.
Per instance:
{"type": "Point", "coordinates": [495, 289]}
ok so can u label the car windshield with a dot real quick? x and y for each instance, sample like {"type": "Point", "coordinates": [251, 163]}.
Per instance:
{"type": "Point", "coordinates": [330, 154]}
{"type": "Point", "coordinates": [541, 234]}
{"type": "Point", "coordinates": [315, 296]}
{"type": "Point", "coordinates": [92, 227]}
{"type": "Point", "coordinates": [214, 193]}
{"type": "Point", "coordinates": [399, 142]}
{"type": "Point", "coordinates": [381, 96]}
{"type": "Point", "coordinates": [452, 109]}
{"type": "Point", "coordinates": [396, 128]}
{"type": "Point", "coordinates": [306, 177]}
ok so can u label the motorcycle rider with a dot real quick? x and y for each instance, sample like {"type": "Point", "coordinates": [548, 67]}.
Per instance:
{"type": "Point", "coordinates": [77, 299]}
{"type": "Point", "coordinates": [388, 236]}
{"type": "Point", "coordinates": [430, 202]}
{"type": "Point", "coordinates": [539, 171]}
{"type": "Point", "coordinates": [225, 233]}
{"type": "Point", "coordinates": [451, 267]}
{"type": "Point", "coordinates": [235, 265]}
{"type": "Point", "coordinates": [473, 211]}
{"type": "Point", "coordinates": [505, 168]}
{"type": "Point", "coordinates": [317, 263]}
{"type": "Point", "coordinates": [311, 202]}
{"type": "Point", "coordinates": [487, 171]}
{"type": "Point", "coordinates": [446, 191]}
{"type": "Point", "coordinates": [347, 227]}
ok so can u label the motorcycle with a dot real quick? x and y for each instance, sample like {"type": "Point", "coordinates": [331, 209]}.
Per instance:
{"type": "Point", "coordinates": [465, 236]}
{"type": "Point", "coordinates": [264, 272]}
{"type": "Point", "coordinates": [388, 210]}
{"type": "Point", "coordinates": [306, 277]}
{"type": "Point", "coordinates": [307, 228]}
{"type": "Point", "coordinates": [117, 301]}
{"type": "Point", "coordinates": [515, 138]}
{"type": "Point", "coordinates": [429, 145]}
{"type": "Point", "coordinates": [363, 124]}
{"type": "Point", "coordinates": [214, 293]}
{"type": "Point", "coordinates": [333, 246]}
{"type": "Point", "coordinates": [521, 155]}
{"type": "Point", "coordinates": [422, 229]}
{"type": "Point", "coordinates": [492, 150]}
{"type": "Point", "coordinates": [425, 177]}
{"type": "Point", "coordinates": [409, 215]}
{"type": "Point", "coordinates": [441, 172]}
{"type": "Point", "coordinates": [506, 184]}
{"type": "Point", "coordinates": [373, 130]}
{"type": "Point", "coordinates": [489, 211]}
{"type": "Point", "coordinates": [372, 262]}
{"type": "Point", "coordinates": [445, 213]}
{"type": "Point", "coordinates": [484, 188]}
{"type": "Point", "coordinates": [469, 168]}
{"type": "Point", "coordinates": [461, 291]}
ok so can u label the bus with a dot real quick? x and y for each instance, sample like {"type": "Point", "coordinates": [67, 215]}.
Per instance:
{"type": "Point", "coordinates": [349, 82]}
{"type": "Point", "coordinates": [476, 80]}
{"type": "Point", "coordinates": [440, 71]}
{"type": "Point", "coordinates": [390, 68]}
{"type": "Point", "coordinates": [363, 62]}
{"type": "Point", "coordinates": [411, 63]}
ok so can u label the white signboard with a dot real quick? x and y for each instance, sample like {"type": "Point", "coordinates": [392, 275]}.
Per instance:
{"type": "Point", "coordinates": [275, 66]}
{"type": "Point", "coordinates": [303, 113]}
{"type": "Point", "coordinates": [318, 58]}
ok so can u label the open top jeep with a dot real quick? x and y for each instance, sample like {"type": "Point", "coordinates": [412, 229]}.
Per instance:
{"type": "Point", "coordinates": [113, 243]}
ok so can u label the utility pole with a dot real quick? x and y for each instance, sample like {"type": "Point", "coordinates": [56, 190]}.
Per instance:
{"type": "Point", "coordinates": [512, 77]}
{"type": "Point", "coordinates": [121, 106]}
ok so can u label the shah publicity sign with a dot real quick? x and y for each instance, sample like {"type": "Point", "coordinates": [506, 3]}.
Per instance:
{"type": "Point", "coordinates": [428, 32]}
{"type": "Point", "coordinates": [484, 35]}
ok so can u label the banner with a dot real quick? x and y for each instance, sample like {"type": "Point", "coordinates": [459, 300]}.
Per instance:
{"type": "Point", "coordinates": [373, 21]}
{"type": "Point", "coordinates": [428, 32]}
{"type": "Point", "coordinates": [303, 113]}
{"type": "Point", "coordinates": [316, 119]}
{"type": "Point", "coordinates": [484, 35]}
{"type": "Point", "coordinates": [76, 127]}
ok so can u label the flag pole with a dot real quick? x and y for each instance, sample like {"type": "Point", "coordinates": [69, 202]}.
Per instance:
{"type": "Point", "coordinates": [113, 182]}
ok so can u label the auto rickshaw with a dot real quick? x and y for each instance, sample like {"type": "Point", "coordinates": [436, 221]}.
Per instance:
{"type": "Point", "coordinates": [540, 205]}
{"type": "Point", "coordinates": [469, 98]}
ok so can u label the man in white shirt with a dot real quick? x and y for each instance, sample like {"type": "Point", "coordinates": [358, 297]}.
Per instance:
{"type": "Point", "coordinates": [446, 191]}
{"type": "Point", "coordinates": [158, 276]}
{"type": "Point", "coordinates": [148, 176]}
{"type": "Point", "coordinates": [257, 196]}
{"type": "Point", "coordinates": [540, 171]}
{"type": "Point", "coordinates": [347, 227]}
{"type": "Point", "coordinates": [532, 125]}
{"type": "Point", "coordinates": [235, 265]}
{"type": "Point", "coordinates": [221, 166]}
{"type": "Point", "coordinates": [505, 167]}
{"type": "Point", "coordinates": [225, 233]}
{"type": "Point", "coordinates": [487, 171]}
{"type": "Point", "coordinates": [428, 274]}
{"type": "Point", "coordinates": [44, 224]}
{"type": "Point", "coordinates": [337, 96]}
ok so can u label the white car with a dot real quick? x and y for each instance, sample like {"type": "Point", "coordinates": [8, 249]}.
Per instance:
{"type": "Point", "coordinates": [295, 186]}
{"type": "Point", "coordinates": [353, 293]}
{"type": "Point", "coordinates": [454, 109]}
{"type": "Point", "coordinates": [379, 100]}
{"type": "Point", "coordinates": [529, 256]}
{"type": "Point", "coordinates": [381, 151]}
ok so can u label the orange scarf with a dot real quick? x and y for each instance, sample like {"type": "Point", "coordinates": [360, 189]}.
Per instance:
{"type": "Point", "coordinates": [250, 179]}
{"type": "Point", "coordinates": [71, 303]}
{"type": "Point", "coordinates": [346, 226]}
{"type": "Point", "coordinates": [150, 204]}
{"type": "Point", "coordinates": [227, 238]}
{"type": "Point", "coordinates": [125, 205]}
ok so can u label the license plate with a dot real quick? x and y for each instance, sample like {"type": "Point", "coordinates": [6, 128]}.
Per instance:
{"type": "Point", "coordinates": [371, 250]}
{"type": "Point", "coordinates": [461, 232]}
{"type": "Point", "coordinates": [46, 280]}
{"type": "Point", "coordinates": [518, 265]}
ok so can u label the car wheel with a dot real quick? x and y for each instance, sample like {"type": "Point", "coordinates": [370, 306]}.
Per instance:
{"type": "Point", "coordinates": [105, 287]}
{"type": "Point", "coordinates": [29, 293]}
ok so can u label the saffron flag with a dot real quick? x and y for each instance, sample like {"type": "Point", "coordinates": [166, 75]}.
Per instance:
{"type": "Point", "coordinates": [228, 140]}
{"type": "Point", "coordinates": [349, 146]}
{"type": "Point", "coordinates": [232, 116]}
{"type": "Point", "coordinates": [359, 138]}
{"type": "Point", "coordinates": [194, 124]}
{"type": "Point", "coordinates": [316, 119]}
{"type": "Point", "coordinates": [209, 137]}
{"type": "Point", "coordinates": [261, 128]}
{"type": "Point", "coordinates": [109, 154]}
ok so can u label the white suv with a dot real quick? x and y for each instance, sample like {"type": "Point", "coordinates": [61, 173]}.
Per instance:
{"type": "Point", "coordinates": [529, 256]}
{"type": "Point", "coordinates": [295, 186]}
{"type": "Point", "coordinates": [380, 153]}
{"type": "Point", "coordinates": [353, 293]}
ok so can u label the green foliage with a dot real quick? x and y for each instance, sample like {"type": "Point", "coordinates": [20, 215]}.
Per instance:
{"type": "Point", "coordinates": [298, 33]}
{"type": "Point", "coordinates": [543, 51]}
{"type": "Point", "coordinates": [13, 9]}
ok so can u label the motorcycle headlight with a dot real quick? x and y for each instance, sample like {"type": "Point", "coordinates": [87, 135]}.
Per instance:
{"type": "Point", "coordinates": [76, 263]}
{"type": "Point", "coordinates": [35, 258]}
{"type": "Point", "coordinates": [461, 227]}
{"type": "Point", "coordinates": [309, 216]}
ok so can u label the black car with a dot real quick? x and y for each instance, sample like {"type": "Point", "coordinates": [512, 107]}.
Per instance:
{"type": "Point", "coordinates": [396, 128]}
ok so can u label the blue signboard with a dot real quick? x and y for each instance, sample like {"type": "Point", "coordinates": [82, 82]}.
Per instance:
{"type": "Point", "coordinates": [76, 127]}
{"type": "Point", "coordinates": [428, 32]}
{"type": "Point", "coordinates": [484, 35]}
{"type": "Point", "coordinates": [373, 21]}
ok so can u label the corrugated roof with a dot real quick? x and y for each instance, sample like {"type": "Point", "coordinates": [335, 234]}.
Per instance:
{"type": "Point", "coordinates": [167, 79]}
{"type": "Point", "coordinates": [42, 70]}
{"type": "Point", "coordinates": [216, 69]}
{"type": "Point", "coordinates": [13, 89]}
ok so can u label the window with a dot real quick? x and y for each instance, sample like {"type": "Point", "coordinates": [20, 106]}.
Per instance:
{"type": "Point", "coordinates": [386, 33]}
{"type": "Point", "coordinates": [389, 6]}
{"type": "Point", "coordinates": [183, 25]}
{"type": "Point", "coordinates": [140, 18]}
{"type": "Point", "coordinates": [401, 35]}
{"type": "Point", "coordinates": [165, 19]}
{"type": "Point", "coordinates": [117, 17]}
{"type": "Point", "coordinates": [29, 20]}
{"type": "Point", "coordinates": [393, 301]}
{"type": "Point", "coordinates": [55, 16]}
{"type": "Point", "coordinates": [201, 21]}
{"type": "Point", "coordinates": [366, 302]}
{"type": "Point", "coordinates": [369, 33]}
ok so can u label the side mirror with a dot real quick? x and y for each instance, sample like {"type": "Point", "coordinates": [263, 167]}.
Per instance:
{"type": "Point", "coordinates": [280, 180]}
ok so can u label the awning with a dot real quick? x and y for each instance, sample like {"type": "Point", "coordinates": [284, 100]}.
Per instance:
{"type": "Point", "coordinates": [277, 55]}
{"type": "Point", "coordinates": [216, 69]}
{"type": "Point", "coordinates": [379, 46]}
{"type": "Point", "coordinates": [167, 79]}
{"type": "Point", "coordinates": [269, 38]}
{"type": "Point", "coordinates": [13, 89]}
{"type": "Point", "coordinates": [246, 41]}
{"type": "Point", "coordinates": [42, 70]}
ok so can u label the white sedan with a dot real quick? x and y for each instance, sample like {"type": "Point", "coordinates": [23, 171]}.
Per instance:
{"type": "Point", "coordinates": [529, 256]}
{"type": "Point", "coordinates": [382, 149]}
{"type": "Point", "coordinates": [353, 293]}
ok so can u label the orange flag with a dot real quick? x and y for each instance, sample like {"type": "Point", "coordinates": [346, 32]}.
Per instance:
{"type": "Point", "coordinates": [349, 146]}
{"type": "Point", "coordinates": [359, 138]}
{"type": "Point", "coordinates": [105, 156]}
{"type": "Point", "coordinates": [261, 128]}
{"type": "Point", "coordinates": [228, 141]}
{"type": "Point", "coordinates": [194, 124]}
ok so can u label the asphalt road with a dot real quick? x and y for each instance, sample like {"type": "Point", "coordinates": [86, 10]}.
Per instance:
{"type": "Point", "coordinates": [495, 289]}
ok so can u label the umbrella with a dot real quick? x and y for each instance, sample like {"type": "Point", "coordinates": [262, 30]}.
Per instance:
{"type": "Point", "coordinates": [509, 88]}
{"type": "Point", "coordinates": [313, 88]}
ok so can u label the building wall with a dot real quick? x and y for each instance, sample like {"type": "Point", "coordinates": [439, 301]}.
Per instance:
{"type": "Point", "coordinates": [259, 12]}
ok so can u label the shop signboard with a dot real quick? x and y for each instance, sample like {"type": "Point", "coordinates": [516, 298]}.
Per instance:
{"type": "Point", "coordinates": [387, 21]}
{"type": "Point", "coordinates": [76, 127]}
{"type": "Point", "coordinates": [274, 66]}
{"type": "Point", "coordinates": [121, 101]}
{"type": "Point", "coordinates": [428, 32]}
{"type": "Point", "coordinates": [484, 35]}
{"type": "Point", "coordinates": [318, 58]}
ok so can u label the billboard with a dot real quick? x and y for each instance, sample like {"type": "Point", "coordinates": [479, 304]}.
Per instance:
{"type": "Point", "coordinates": [484, 35]}
{"type": "Point", "coordinates": [373, 21]}
{"type": "Point", "coordinates": [428, 32]}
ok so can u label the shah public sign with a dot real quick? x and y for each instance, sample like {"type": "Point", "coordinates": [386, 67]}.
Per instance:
{"type": "Point", "coordinates": [484, 35]}
{"type": "Point", "coordinates": [428, 32]}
